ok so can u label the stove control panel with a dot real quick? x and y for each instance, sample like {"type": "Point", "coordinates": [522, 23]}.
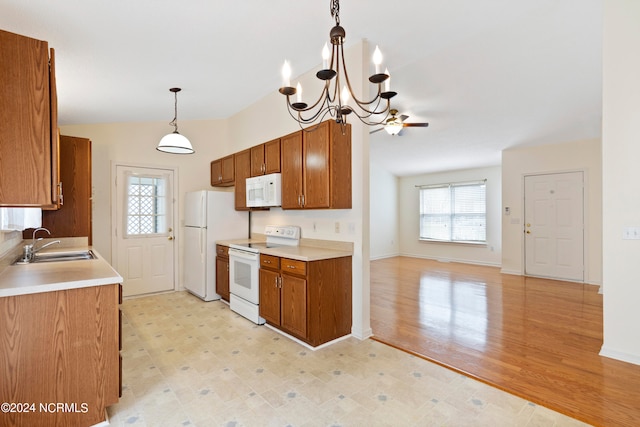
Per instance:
{"type": "Point", "coordinates": [283, 231]}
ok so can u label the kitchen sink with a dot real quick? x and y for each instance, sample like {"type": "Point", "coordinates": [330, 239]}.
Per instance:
{"type": "Point", "coordinates": [59, 257]}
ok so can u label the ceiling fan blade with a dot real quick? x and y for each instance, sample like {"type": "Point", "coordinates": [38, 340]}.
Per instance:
{"type": "Point", "coordinates": [403, 117]}
{"type": "Point", "coordinates": [376, 130]}
{"type": "Point", "coordinates": [415, 125]}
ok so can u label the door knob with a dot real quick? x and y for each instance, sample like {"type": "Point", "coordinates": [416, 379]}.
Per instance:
{"type": "Point", "coordinates": [170, 237]}
{"type": "Point", "coordinates": [528, 231]}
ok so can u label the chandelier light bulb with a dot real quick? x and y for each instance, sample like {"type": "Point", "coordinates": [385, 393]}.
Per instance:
{"type": "Point", "coordinates": [377, 59]}
{"type": "Point", "coordinates": [286, 74]}
{"type": "Point", "coordinates": [325, 57]}
{"type": "Point", "coordinates": [387, 83]}
{"type": "Point", "coordinates": [344, 96]}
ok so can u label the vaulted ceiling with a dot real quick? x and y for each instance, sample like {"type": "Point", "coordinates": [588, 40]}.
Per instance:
{"type": "Point", "coordinates": [487, 75]}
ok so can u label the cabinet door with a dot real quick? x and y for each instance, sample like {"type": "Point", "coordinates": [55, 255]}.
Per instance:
{"type": "Point", "coordinates": [272, 156]}
{"type": "Point", "coordinates": [257, 160]}
{"type": "Point", "coordinates": [270, 296]}
{"type": "Point", "coordinates": [294, 305]}
{"type": "Point", "coordinates": [73, 218]}
{"type": "Point", "coordinates": [228, 174]}
{"type": "Point", "coordinates": [316, 168]}
{"type": "Point", "coordinates": [222, 277]}
{"type": "Point", "coordinates": [216, 172]}
{"type": "Point", "coordinates": [243, 171]}
{"type": "Point", "coordinates": [25, 113]}
{"type": "Point", "coordinates": [292, 170]}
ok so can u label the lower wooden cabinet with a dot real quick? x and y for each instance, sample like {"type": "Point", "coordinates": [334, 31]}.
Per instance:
{"type": "Point", "coordinates": [60, 347]}
{"type": "Point", "coordinates": [222, 271]}
{"type": "Point", "coordinates": [309, 300]}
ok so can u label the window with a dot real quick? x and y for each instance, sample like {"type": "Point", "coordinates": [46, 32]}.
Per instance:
{"type": "Point", "coordinates": [454, 212]}
{"type": "Point", "coordinates": [146, 206]}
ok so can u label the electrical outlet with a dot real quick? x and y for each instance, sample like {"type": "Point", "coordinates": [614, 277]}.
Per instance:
{"type": "Point", "coordinates": [337, 226]}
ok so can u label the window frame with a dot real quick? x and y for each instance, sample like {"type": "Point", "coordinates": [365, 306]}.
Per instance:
{"type": "Point", "coordinates": [451, 214]}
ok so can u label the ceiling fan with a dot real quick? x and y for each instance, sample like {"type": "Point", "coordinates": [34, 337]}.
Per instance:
{"type": "Point", "coordinates": [396, 123]}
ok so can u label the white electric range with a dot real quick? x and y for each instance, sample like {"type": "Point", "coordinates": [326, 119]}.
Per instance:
{"type": "Point", "coordinates": [244, 266]}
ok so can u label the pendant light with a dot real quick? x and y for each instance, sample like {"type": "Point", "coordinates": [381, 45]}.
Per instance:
{"type": "Point", "coordinates": [175, 143]}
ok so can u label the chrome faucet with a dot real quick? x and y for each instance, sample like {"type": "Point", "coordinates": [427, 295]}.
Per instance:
{"type": "Point", "coordinates": [29, 251]}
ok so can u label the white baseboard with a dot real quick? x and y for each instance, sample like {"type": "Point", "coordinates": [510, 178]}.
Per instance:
{"type": "Point", "coordinates": [618, 355]}
{"type": "Point", "coordinates": [383, 257]}
{"type": "Point", "coordinates": [461, 261]}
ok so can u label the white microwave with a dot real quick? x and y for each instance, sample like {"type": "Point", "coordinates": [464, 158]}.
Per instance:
{"type": "Point", "coordinates": [264, 191]}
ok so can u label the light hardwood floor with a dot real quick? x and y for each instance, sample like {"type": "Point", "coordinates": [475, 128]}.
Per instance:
{"type": "Point", "coordinates": [536, 338]}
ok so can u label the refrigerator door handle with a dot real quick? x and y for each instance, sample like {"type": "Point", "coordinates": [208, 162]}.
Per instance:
{"type": "Point", "coordinates": [202, 244]}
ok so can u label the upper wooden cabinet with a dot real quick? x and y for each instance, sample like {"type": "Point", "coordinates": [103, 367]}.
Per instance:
{"type": "Point", "coordinates": [243, 171]}
{"type": "Point", "coordinates": [316, 168]}
{"type": "Point", "coordinates": [265, 158]}
{"type": "Point", "coordinates": [73, 219]}
{"type": "Point", "coordinates": [29, 131]}
{"type": "Point", "coordinates": [222, 172]}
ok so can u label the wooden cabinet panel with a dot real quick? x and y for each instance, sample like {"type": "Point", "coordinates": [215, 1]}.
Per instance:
{"type": "Point", "coordinates": [294, 266]}
{"type": "Point", "coordinates": [60, 346]}
{"type": "Point", "coordinates": [222, 277]}
{"type": "Point", "coordinates": [294, 305]}
{"type": "Point", "coordinates": [316, 168]}
{"type": "Point", "coordinates": [272, 156]}
{"type": "Point", "coordinates": [222, 172]}
{"type": "Point", "coordinates": [270, 296]}
{"type": "Point", "coordinates": [257, 160]}
{"type": "Point", "coordinates": [269, 261]}
{"type": "Point", "coordinates": [73, 218]}
{"type": "Point", "coordinates": [315, 149]}
{"type": "Point", "coordinates": [242, 171]}
{"type": "Point", "coordinates": [28, 113]}
{"type": "Point", "coordinates": [292, 170]}
{"type": "Point", "coordinates": [222, 271]}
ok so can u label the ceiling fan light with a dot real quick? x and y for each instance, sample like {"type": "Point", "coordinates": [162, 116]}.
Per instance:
{"type": "Point", "coordinates": [393, 128]}
{"type": "Point", "coordinates": [175, 143]}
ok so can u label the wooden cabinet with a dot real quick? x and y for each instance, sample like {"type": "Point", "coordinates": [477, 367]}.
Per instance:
{"type": "Point", "coordinates": [309, 300]}
{"type": "Point", "coordinates": [265, 158]}
{"type": "Point", "coordinates": [316, 168]}
{"type": "Point", "coordinates": [222, 172]}
{"type": "Point", "coordinates": [242, 171]}
{"type": "Point", "coordinates": [61, 346]}
{"type": "Point", "coordinates": [29, 131]}
{"type": "Point", "coordinates": [73, 218]}
{"type": "Point", "coordinates": [222, 271]}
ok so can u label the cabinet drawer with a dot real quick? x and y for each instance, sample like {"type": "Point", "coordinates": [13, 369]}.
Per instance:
{"type": "Point", "coordinates": [294, 266]}
{"type": "Point", "coordinates": [222, 251]}
{"type": "Point", "coordinates": [269, 261]}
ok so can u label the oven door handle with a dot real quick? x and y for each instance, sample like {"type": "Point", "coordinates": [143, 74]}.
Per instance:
{"type": "Point", "coordinates": [243, 255]}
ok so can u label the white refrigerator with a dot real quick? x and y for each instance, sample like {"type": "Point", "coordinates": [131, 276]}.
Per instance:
{"type": "Point", "coordinates": [209, 216]}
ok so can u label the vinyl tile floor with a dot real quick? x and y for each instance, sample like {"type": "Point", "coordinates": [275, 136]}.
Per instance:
{"type": "Point", "coordinates": [192, 363]}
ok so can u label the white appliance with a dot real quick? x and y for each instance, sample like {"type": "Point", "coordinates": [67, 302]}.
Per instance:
{"type": "Point", "coordinates": [208, 216]}
{"type": "Point", "coordinates": [244, 269]}
{"type": "Point", "coordinates": [264, 191]}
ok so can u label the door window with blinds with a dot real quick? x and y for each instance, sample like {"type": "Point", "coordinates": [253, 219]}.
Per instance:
{"type": "Point", "coordinates": [454, 212]}
{"type": "Point", "coordinates": [147, 201]}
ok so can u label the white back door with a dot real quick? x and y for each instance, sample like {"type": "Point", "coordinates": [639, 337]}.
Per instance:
{"type": "Point", "coordinates": [143, 229]}
{"type": "Point", "coordinates": [554, 226]}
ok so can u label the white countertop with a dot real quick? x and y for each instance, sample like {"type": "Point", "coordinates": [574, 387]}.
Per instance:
{"type": "Point", "coordinates": [56, 276]}
{"type": "Point", "coordinates": [314, 250]}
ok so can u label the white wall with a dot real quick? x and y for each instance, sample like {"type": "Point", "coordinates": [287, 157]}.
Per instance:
{"type": "Point", "coordinates": [135, 143]}
{"type": "Point", "coordinates": [572, 156]}
{"type": "Point", "coordinates": [384, 207]}
{"type": "Point", "coordinates": [410, 245]}
{"type": "Point", "coordinates": [621, 178]}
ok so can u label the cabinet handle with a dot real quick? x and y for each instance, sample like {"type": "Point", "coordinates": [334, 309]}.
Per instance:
{"type": "Point", "coordinates": [266, 261]}
{"type": "Point", "coordinates": [291, 266]}
{"type": "Point", "coordinates": [303, 201]}
{"type": "Point", "coordinates": [60, 196]}
{"type": "Point", "coordinates": [280, 280]}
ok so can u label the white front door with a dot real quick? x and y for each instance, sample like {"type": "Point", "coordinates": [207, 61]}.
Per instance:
{"type": "Point", "coordinates": [143, 229]}
{"type": "Point", "coordinates": [554, 226]}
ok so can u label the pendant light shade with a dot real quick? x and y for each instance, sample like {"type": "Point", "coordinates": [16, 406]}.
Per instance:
{"type": "Point", "coordinates": [175, 143]}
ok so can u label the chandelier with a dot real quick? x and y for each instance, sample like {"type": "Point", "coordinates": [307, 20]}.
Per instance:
{"type": "Point", "coordinates": [334, 74]}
